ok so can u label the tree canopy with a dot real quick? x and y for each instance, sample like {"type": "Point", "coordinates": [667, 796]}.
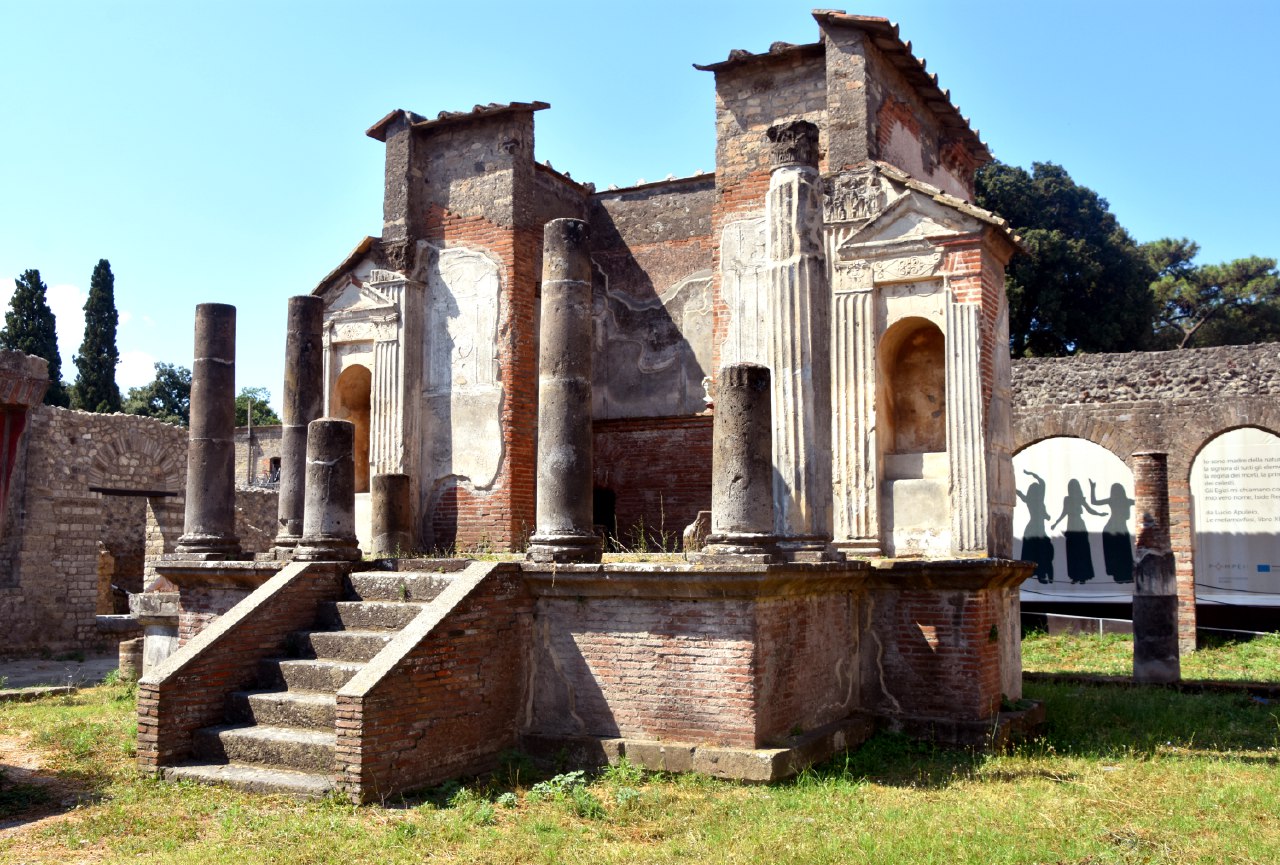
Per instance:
{"type": "Point", "coordinates": [95, 388]}
{"type": "Point", "coordinates": [167, 397]}
{"type": "Point", "coordinates": [29, 327]}
{"type": "Point", "coordinates": [258, 397]}
{"type": "Point", "coordinates": [1084, 284]}
{"type": "Point", "coordinates": [1212, 304]}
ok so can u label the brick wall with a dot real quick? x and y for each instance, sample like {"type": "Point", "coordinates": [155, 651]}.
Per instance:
{"type": "Point", "coordinates": [659, 469]}
{"type": "Point", "coordinates": [678, 670]}
{"type": "Point", "coordinates": [49, 600]}
{"type": "Point", "coordinates": [253, 458]}
{"type": "Point", "coordinates": [933, 653]}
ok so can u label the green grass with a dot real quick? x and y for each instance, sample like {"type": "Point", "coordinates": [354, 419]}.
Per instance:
{"type": "Point", "coordinates": [1256, 660]}
{"type": "Point", "coordinates": [1120, 775]}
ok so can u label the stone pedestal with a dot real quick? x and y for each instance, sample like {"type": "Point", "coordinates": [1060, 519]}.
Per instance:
{"type": "Point", "coordinates": [392, 516]}
{"type": "Point", "coordinates": [1155, 589]}
{"type": "Point", "coordinates": [329, 522]}
{"type": "Point", "coordinates": [799, 344]}
{"type": "Point", "coordinates": [157, 613]}
{"type": "Point", "coordinates": [209, 522]}
{"type": "Point", "coordinates": [564, 516]}
{"type": "Point", "coordinates": [742, 468]}
{"type": "Point", "coordinates": [302, 403]}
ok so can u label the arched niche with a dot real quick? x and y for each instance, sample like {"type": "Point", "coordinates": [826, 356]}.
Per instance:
{"type": "Point", "coordinates": [352, 402]}
{"type": "Point", "coordinates": [1235, 514]}
{"type": "Point", "coordinates": [913, 357]}
{"type": "Point", "coordinates": [915, 503]}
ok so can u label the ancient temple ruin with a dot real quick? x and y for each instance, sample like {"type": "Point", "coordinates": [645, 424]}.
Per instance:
{"type": "Point", "coordinates": [524, 359]}
{"type": "Point", "coordinates": [430, 330]}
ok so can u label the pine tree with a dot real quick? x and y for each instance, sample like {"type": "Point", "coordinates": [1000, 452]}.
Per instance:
{"type": "Point", "coordinates": [95, 388]}
{"type": "Point", "coordinates": [29, 327]}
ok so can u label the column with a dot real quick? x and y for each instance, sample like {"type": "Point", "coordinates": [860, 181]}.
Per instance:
{"type": "Point", "coordinates": [564, 516]}
{"type": "Point", "coordinates": [329, 516]}
{"type": "Point", "coordinates": [302, 403]}
{"type": "Point", "coordinates": [392, 522]}
{"type": "Point", "coordinates": [742, 467]}
{"type": "Point", "coordinates": [209, 522]}
{"type": "Point", "coordinates": [1155, 588]}
{"type": "Point", "coordinates": [966, 445]}
{"type": "Point", "coordinates": [799, 344]}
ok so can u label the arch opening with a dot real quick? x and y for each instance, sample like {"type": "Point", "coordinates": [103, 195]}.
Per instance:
{"type": "Point", "coordinates": [352, 398]}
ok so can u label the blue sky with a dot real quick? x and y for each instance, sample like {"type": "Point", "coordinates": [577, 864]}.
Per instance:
{"type": "Point", "coordinates": [216, 151]}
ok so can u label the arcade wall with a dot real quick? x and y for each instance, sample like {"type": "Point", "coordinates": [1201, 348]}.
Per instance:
{"type": "Point", "coordinates": [1173, 401]}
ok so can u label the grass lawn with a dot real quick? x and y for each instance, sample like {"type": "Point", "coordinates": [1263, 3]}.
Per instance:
{"type": "Point", "coordinates": [1121, 775]}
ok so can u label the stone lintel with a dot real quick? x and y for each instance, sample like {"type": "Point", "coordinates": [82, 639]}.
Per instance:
{"type": "Point", "coordinates": [760, 765]}
{"type": "Point", "coordinates": [703, 580]}
{"type": "Point", "coordinates": [948, 574]}
{"type": "Point", "coordinates": [195, 574]}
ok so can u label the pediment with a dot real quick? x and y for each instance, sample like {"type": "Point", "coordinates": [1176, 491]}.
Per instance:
{"type": "Point", "coordinates": [914, 217]}
{"type": "Point", "coordinates": [354, 297]}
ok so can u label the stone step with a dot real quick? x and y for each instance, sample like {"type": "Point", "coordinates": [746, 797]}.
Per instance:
{"type": "Point", "coordinates": [306, 674]}
{"type": "Point", "coordinates": [422, 587]}
{"type": "Point", "coordinates": [283, 708]}
{"type": "Point", "coordinates": [341, 645]}
{"type": "Point", "coordinates": [254, 779]}
{"type": "Point", "coordinates": [368, 615]}
{"type": "Point", "coordinates": [274, 747]}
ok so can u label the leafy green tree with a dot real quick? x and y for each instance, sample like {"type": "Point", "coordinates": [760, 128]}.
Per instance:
{"type": "Point", "coordinates": [29, 326]}
{"type": "Point", "coordinates": [263, 414]}
{"type": "Point", "coordinates": [95, 388]}
{"type": "Point", "coordinates": [1233, 303]}
{"type": "Point", "coordinates": [167, 397]}
{"type": "Point", "coordinates": [1084, 284]}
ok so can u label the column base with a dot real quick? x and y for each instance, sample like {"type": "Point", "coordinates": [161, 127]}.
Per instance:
{"type": "Point", "coordinates": [207, 547]}
{"type": "Point", "coordinates": [738, 548]}
{"type": "Point", "coordinates": [327, 550]}
{"type": "Point", "coordinates": [809, 550]}
{"type": "Point", "coordinates": [565, 549]}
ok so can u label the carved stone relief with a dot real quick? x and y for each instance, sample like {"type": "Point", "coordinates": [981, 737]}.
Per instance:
{"type": "Point", "coordinates": [743, 282]}
{"type": "Point", "coordinates": [462, 430]}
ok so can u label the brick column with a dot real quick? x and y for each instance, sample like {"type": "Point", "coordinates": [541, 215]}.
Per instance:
{"type": "Point", "coordinates": [209, 525]}
{"type": "Point", "coordinates": [564, 516]}
{"type": "Point", "coordinates": [1155, 591]}
{"type": "Point", "coordinates": [799, 344]}
{"type": "Point", "coordinates": [302, 403]}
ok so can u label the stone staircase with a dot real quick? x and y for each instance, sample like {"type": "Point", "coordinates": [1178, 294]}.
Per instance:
{"type": "Point", "coordinates": [280, 736]}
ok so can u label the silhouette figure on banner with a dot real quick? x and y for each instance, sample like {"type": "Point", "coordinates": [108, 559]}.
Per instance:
{"type": "Point", "coordinates": [1037, 546]}
{"type": "Point", "coordinates": [1117, 546]}
{"type": "Point", "coordinates": [1079, 555]}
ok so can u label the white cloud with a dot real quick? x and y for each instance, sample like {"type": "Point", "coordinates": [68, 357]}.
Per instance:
{"type": "Point", "coordinates": [136, 369]}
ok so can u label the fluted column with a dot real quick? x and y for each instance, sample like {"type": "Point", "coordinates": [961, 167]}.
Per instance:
{"type": "Point", "coordinates": [799, 343]}
{"type": "Point", "coordinates": [966, 447]}
{"type": "Point", "coordinates": [1155, 587]}
{"type": "Point", "coordinates": [209, 523]}
{"type": "Point", "coordinates": [303, 402]}
{"type": "Point", "coordinates": [564, 513]}
{"type": "Point", "coordinates": [857, 525]}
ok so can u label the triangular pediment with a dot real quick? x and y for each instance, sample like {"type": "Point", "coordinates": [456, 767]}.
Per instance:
{"type": "Point", "coordinates": [353, 297]}
{"type": "Point", "coordinates": [914, 216]}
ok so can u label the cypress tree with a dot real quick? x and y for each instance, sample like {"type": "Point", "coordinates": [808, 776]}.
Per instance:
{"type": "Point", "coordinates": [95, 388]}
{"type": "Point", "coordinates": [29, 327]}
